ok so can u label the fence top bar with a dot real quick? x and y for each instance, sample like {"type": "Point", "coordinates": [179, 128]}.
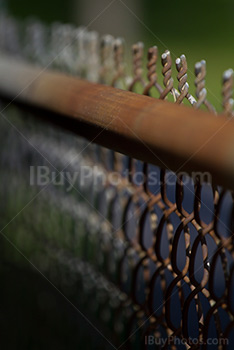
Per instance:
{"type": "Point", "coordinates": [174, 137]}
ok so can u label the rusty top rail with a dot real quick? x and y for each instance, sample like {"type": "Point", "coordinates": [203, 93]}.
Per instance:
{"type": "Point", "coordinates": [171, 136]}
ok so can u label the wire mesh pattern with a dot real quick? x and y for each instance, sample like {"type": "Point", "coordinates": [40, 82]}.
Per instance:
{"type": "Point", "coordinates": [153, 256]}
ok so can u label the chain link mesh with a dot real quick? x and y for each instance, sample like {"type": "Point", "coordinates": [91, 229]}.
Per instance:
{"type": "Point", "coordinates": [149, 258]}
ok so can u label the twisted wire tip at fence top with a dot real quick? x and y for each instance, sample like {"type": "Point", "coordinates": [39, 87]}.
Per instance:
{"type": "Point", "coordinates": [80, 52]}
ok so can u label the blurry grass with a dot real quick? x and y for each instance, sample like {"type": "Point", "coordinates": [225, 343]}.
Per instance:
{"type": "Point", "coordinates": [47, 11]}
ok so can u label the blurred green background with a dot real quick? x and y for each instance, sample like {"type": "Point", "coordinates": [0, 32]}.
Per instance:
{"type": "Point", "coordinates": [199, 29]}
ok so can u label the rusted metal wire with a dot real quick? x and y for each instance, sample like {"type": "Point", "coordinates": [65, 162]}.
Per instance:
{"type": "Point", "coordinates": [201, 92]}
{"type": "Point", "coordinates": [166, 247]}
{"type": "Point", "coordinates": [119, 61]}
{"type": "Point", "coordinates": [137, 52]}
{"type": "Point", "coordinates": [181, 66]}
{"type": "Point", "coordinates": [152, 72]}
{"type": "Point", "coordinates": [227, 92]}
{"type": "Point", "coordinates": [168, 80]}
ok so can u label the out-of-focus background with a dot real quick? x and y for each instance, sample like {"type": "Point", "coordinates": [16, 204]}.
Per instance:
{"type": "Point", "coordinates": [199, 29]}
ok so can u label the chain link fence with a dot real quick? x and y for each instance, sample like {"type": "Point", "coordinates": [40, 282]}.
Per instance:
{"type": "Point", "coordinates": [145, 253]}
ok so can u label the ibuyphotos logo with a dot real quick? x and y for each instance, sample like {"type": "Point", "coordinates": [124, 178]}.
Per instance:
{"type": "Point", "coordinates": [43, 176]}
